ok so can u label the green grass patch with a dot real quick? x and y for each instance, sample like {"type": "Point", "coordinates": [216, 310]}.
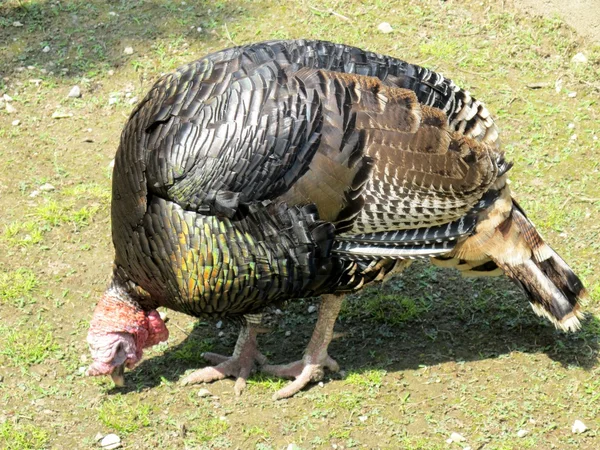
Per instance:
{"type": "Point", "coordinates": [17, 286]}
{"type": "Point", "coordinates": [26, 344]}
{"type": "Point", "coordinates": [22, 437]}
{"type": "Point", "coordinates": [391, 309]}
{"type": "Point", "coordinates": [206, 430]}
{"type": "Point", "coordinates": [369, 378]}
{"type": "Point", "coordinates": [123, 415]}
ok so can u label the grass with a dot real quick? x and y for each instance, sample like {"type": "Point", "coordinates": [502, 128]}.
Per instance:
{"type": "Point", "coordinates": [27, 344]}
{"type": "Point", "coordinates": [424, 355]}
{"type": "Point", "coordinates": [22, 437]}
{"type": "Point", "coordinates": [123, 415]}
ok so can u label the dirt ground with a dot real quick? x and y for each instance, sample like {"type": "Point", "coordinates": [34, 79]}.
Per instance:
{"type": "Point", "coordinates": [426, 357]}
{"type": "Point", "coordinates": [582, 15]}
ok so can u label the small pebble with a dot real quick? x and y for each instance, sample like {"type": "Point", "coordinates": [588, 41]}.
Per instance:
{"type": "Point", "coordinates": [321, 384]}
{"type": "Point", "coordinates": [163, 315]}
{"type": "Point", "coordinates": [133, 100]}
{"type": "Point", "coordinates": [61, 115]}
{"type": "Point", "coordinates": [128, 50]}
{"type": "Point", "coordinates": [10, 109]}
{"type": "Point", "coordinates": [579, 427]}
{"type": "Point", "coordinates": [82, 369]}
{"type": "Point", "coordinates": [16, 123]}
{"type": "Point", "coordinates": [46, 49]}
{"type": "Point", "coordinates": [75, 92]}
{"type": "Point", "coordinates": [572, 94]}
{"type": "Point", "coordinates": [362, 418]}
{"type": "Point", "coordinates": [219, 324]}
{"type": "Point", "coordinates": [46, 187]}
{"type": "Point", "coordinates": [199, 29]}
{"type": "Point", "coordinates": [16, 23]}
{"type": "Point", "coordinates": [278, 312]}
{"type": "Point", "coordinates": [110, 441]}
{"type": "Point", "coordinates": [204, 393]}
{"type": "Point", "coordinates": [112, 100]}
{"type": "Point", "coordinates": [579, 58]}
{"type": "Point", "coordinates": [288, 333]}
{"type": "Point", "coordinates": [385, 28]}
{"type": "Point", "coordinates": [36, 81]}
{"type": "Point", "coordinates": [293, 447]}
{"type": "Point", "coordinates": [7, 98]}
{"type": "Point", "coordinates": [98, 436]}
{"type": "Point", "coordinates": [522, 433]}
{"type": "Point", "coordinates": [110, 73]}
{"type": "Point", "coordinates": [112, 13]}
{"type": "Point", "coordinates": [221, 333]}
{"type": "Point", "coordinates": [312, 309]}
{"type": "Point", "coordinates": [34, 194]}
{"type": "Point", "coordinates": [456, 437]}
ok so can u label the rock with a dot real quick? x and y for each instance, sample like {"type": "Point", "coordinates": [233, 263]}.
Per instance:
{"type": "Point", "coordinates": [321, 384]}
{"type": "Point", "coordinates": [312, 309]}
{"type": "Point", "coordinates": [112, 13]}
{"type": "Point", "coordinates": [16, 123]}
{"type": "Point", "coordinates": [204, 393]}
{"type": "Point", "coordinates": [558, 85]}
{"type": "Point", "coordinates": [34, 194]}
{"type": "Point", "coordinates": [278, 312]}
{"type": "Point", "coordinates": [110, 73]}
{"type": "Point", "coordinates": [456, 437]}
{"type": "Point", "coordinates": [385, 28]}
{"type": "Point", "coordinates": [110, 441]}
{"type": "Point", "coordinates": [112, 100]}
{"type": "Point", "coordinates": [288, 333]}
{"type": "Point", "coordinates": [163, 315]}
{"type": "Point", "coordinates": [128, 50]}
{"type": "Point", "coordinates": [7, 98]}
{"type": "Point", "coordinates": [579, 58]}
{"type": "Point", "coordinates": [362, 418]}
{"type": "Point", "coordinates": [47, 187]}
{"type": "Point", "coordinates": [199, 29]}
{"type": "Point", "coordinates": [75, 92]}
{"type": "Point", "coordinates": [221, 333]}
{"type": "Point", "coordinates": [16, 23]}
{"type": "Point", "coordinates": [133, 100]}
{"type": "Point", "coordinates": [293, 447]}
{"type": "Point", "coordinates": [46, 49]}
{"type": "Point", "coordinates": [219, 324]}
{"type": "Point", "coordinates": [578, 427]}
{"type": "Point", "coordinates": [572, 94]}
{"type": "Point", "coordinates": [61, 115]}
{"type": "Point", "coordinates": [36, 81]}
{"type": "Point", "coordinates": [10, 109]}
{"type": "Point", "coordinates": [98, 436]}
{"type": "Point", "coordinates": [522, 433]}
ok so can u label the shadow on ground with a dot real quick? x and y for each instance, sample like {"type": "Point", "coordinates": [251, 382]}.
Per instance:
{"type": "Point", "coordinates": [425, 317]}
{"type": "Point", "coordinates": [79, 38]}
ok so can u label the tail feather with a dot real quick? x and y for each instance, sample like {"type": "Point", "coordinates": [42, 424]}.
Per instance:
{"type": "Point", "coordinates": [516, 247]}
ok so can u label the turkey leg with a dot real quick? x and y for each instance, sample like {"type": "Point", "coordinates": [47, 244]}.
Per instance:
{"type": "Point", "coordinates": [239, 365]}
{"type": "Point", "coordinates": [316, 359]}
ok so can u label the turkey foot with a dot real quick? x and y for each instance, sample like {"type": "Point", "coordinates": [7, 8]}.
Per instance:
{"type": "Point", "coordinates": [239, 365]}
{"type": "Point", "coordinates": [311, 367]}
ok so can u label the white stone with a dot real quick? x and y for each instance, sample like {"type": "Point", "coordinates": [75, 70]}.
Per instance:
{"type": "Point", "coordinates": [112, 100]}
{"type": "Point", "coordinates": [16, 23]}
{"type": "Point", "coordinates": [61, 115]}
{"type": "Point", "coordinates": [219, 324]}
{"type": "Point", "coordinates": [133, 100]}
{"type": "Point", "coordinates": [128, 50]}
{"type": "Point", "coordinates": [288, 333]}
{"type": "Point", "coordinates": [110, 441]}
{"type": "Point", "coordinates": [112, 13]}
{"type": "Point", "coordinates": [7, 98]}
{"type": "Point", "coordinates": [98, 436]}
{"type": "Point", "coordinates": [204, 393]}
{"type": "Point", "coordinates": [75, 92]}
{"type": "Point", "coordinates": [579, 58]}
{"type": "Point", "coordinates": [110, 73]}
{"type": "Point", "coordinates": [34, 194]}
{"type": "Point", "coordinates": [579, 427]}
{"type": "Point", "coordinates": [572, 94]}
{"type": "Point", "coordinates": [573, 137]}
{"type": "Point", "coordinates": [46, 49]}
{"type": "Point", "coordinates": [16, 123]}
{"type": "Point", "coordinates": [456, 437]}
{"type": "Point", "coordinates": [571, 125]}
{"type": "Point", "coordinates": [522, 433]}
{"type": "Point", "coordinates": [312, 309]}
{"type": "Point", "coordinates": [293, 447]}
{"type": "Point", "coordinates": [558, 85]}
{"type": "Point", "coordinates": [199, 29]}
{"type": "Point", "coordinates": [362, 418]}
{"type": "Point", "coordinates": [385, 27]}
{"type": "Point", "coordinates": [163, 315]}
{"type": "Point", "coordinates": [10, 109]}
{"type": "Point", "coordinates": [321, 384]}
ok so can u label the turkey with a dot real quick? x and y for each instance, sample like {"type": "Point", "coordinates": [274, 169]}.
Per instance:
{"type": "Point", "coordinates": [289, 169]}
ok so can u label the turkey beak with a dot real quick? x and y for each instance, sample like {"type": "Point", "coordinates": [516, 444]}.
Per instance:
{"type": "Point", "coordinates": [118, 376]}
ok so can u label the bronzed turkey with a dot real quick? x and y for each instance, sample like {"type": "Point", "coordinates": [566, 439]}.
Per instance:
{"type": "Point", "coordinates": [289, 169]}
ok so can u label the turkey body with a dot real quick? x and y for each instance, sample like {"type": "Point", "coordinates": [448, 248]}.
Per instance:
{"type": "Point", "coordinates": [289, 169]}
